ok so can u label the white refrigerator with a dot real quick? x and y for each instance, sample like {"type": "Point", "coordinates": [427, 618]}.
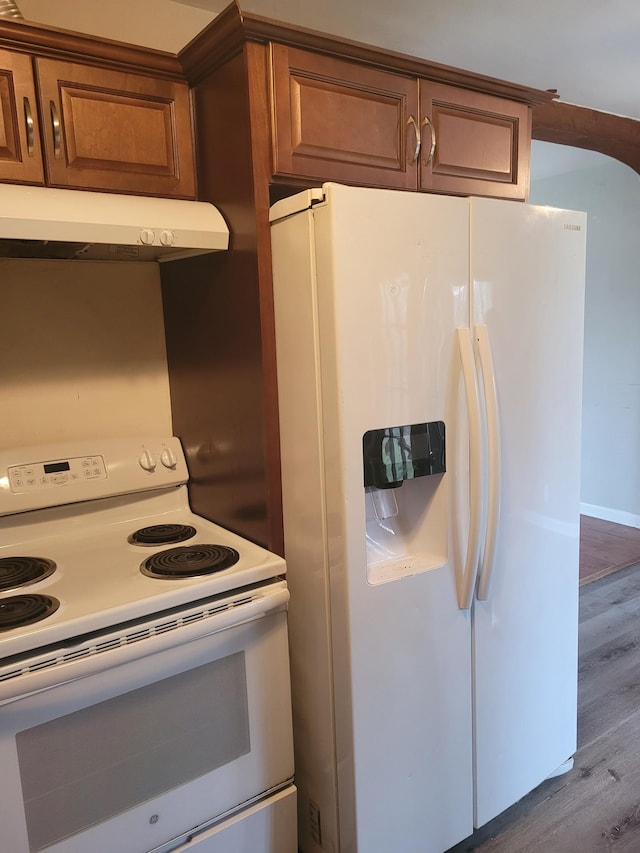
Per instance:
{"type": "Point", "coordinates": [429, 353]}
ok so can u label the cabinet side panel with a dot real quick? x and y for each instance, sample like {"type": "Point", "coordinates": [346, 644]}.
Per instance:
{"type": "Point", "coordinates": [259, 80]}
{"type": "Point", "coordinates": [212, 319]}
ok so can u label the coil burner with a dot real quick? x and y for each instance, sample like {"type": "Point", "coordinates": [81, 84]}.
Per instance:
{"type": "Point", "coordinates": [189, 561]}
{"type": "Point", "coordinates": [22, 571]}
{"type": "Point", "coordinates": [19, 610]}
{"type": "Point", "coordinates": [162, 534]}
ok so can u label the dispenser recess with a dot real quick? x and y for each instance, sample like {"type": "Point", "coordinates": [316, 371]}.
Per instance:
{"type": "Point", "coordinates": [406, 528]}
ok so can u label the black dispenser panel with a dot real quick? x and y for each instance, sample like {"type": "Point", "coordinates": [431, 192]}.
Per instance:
{"type": "Point", "coordinates": [395, 454]}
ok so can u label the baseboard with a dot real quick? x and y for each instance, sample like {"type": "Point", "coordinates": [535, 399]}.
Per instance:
{"type": "Point", "coordinates": [618, 516]}
{"type": "Point", "coordinates": [564, 768]}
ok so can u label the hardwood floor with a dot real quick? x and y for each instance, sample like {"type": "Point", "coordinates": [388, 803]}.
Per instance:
{"type": "Point", "coordinates": [606, 547]}
{"type": "Point", "coordinates": [595, 808]}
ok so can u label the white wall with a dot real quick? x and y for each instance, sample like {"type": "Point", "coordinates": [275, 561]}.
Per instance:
{"type": "Point", "coordinates": [82, 352]}
{"type": "Point", "coordinates": [160, 24]}
{"type": "Point", "coordinates": [610, 193]}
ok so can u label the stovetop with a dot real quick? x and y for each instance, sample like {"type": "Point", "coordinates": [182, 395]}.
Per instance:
{"type": "Point", "coordinates": [101, 575]}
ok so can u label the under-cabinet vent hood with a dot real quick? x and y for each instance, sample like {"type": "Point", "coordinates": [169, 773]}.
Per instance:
{"type": "Point", "coordinates": [39, 222]}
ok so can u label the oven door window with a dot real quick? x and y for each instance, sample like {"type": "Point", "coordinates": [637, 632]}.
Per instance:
{"type": "Point", "coordinates": [85, 767]}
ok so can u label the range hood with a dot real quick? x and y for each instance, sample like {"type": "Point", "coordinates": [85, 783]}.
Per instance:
{"type": "Point", "coordinates": [39, 222]}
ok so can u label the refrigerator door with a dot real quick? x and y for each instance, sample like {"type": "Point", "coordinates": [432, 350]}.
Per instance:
{"type": "Point", "coordinates": [528, 266]}
{"type": "Point", "coordinates": [370, 287]}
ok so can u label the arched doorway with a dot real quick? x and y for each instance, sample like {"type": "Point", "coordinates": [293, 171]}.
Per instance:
{"type": "Point", "coordinates": [609, 191]}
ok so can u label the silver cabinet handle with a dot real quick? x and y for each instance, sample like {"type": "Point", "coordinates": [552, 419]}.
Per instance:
{"type": "Point", "coordinates": [426, 122]}
{"type": "Point", "coordinates": [28, 120]}
{"type": "Point", "coordinates": [55, 126]}
{"type": "Point", "coordinates": [413, 160]}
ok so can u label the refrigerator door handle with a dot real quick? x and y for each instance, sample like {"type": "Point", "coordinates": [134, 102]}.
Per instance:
{"type": "Point", "coordinates": [493, 442]}
{"type": "Point", "coordinates": [467, 581]}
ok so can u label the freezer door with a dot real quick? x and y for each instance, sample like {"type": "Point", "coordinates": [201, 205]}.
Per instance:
{"type": "Point", "coordinates": [528, 266]}
{"type": "Point", "coordinates": [370, 287]}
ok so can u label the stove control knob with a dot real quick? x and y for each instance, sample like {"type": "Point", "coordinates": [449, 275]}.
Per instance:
{"type": "Point", "coordinates": [168, 458]}
{"type": "Point", "coordinates": [147, 237]}
{"type": "Point", "coordinates": [147, 460]}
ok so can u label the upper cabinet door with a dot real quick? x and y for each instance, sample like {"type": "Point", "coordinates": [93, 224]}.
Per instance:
{"type": "Point", "coordinates": [472, 143]}
{"type": "Point", "coordinates": [110, 130]}
{"type": "Point", "coordinates": [335, 120]}
{"type": "Point", "coordinates": [20, 153]}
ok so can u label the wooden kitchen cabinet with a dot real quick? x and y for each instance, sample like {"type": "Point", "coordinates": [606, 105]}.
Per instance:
{"type": "Point", "coordinates": [340, 121]}
{"type": "Point", "coordinates": [344, 121]}
{"type": "Point", "coordinates": [112, 130]}
{"type": "Point", "coordinates": [20, 152]}
{"type": "Point", "coordinates": [473, 143]}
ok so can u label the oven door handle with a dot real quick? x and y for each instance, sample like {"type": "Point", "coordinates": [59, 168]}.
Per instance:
{"type": "Point", "coordinates": [72, 663]}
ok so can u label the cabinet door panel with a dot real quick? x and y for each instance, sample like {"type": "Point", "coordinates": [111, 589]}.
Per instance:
{"type": "Point", "coordinates": [20, 153]}
{"type": "Point", "coordinates": [103, 130]}
{"type": "Point", "coordinates": [122, 132]}
{"type": "Point", "coordinates": [482, 143]}
{"type": "Point", "coordinates": [337, 120]}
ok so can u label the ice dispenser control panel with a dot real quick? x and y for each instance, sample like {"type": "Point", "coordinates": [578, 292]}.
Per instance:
{"type": "Point", "coordinates": [392, 455]}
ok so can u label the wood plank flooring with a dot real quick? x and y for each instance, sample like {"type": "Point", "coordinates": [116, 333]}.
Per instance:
{"type": "Point", "coordinates": [595, 808]}
{"type": "Point", "coordinates": [606, 547]}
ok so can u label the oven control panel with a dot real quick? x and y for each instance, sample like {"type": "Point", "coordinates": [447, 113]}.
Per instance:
{"type": "Point", "coordinates": [60, 472]}
{"type": "Point", "coordinates": [88, 469]}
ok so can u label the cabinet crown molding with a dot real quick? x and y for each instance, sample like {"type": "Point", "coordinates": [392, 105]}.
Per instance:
{"type": "Point", "coordinates": [226, 34]}
{"type": "Point", "coordinates": [45, 41]}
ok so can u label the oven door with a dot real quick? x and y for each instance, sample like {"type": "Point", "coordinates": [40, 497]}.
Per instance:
{"type": "Point", "coordinates": [127, 740]}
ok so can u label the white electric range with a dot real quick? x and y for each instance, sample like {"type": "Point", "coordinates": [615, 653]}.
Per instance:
{"type": "Point", "coordinates": [118, 604]}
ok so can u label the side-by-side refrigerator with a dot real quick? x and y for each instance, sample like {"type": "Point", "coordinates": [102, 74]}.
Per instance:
{"type": "Point", "coordinates": [429, 355]}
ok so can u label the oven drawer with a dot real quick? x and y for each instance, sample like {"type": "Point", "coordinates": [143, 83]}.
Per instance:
{"type": "Point", "coordinates": [138, 745]}
{"type": "Point", "coordinates": [267, 827]}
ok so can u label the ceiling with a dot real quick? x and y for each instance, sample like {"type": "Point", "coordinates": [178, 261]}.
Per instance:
{"type": "Point", "coordinates": [589, 51]}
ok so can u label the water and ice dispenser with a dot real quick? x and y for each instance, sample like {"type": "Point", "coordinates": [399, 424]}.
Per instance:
{"type": "Point", "coordinates": [406, 507]}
